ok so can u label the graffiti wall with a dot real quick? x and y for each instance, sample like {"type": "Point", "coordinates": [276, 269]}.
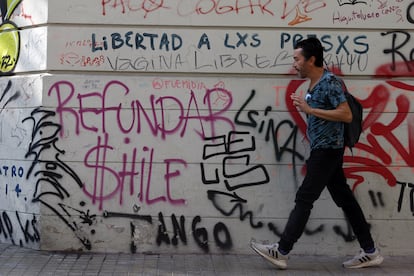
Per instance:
{"type": "Point", "coordinates": [19, 214]}
{"type": "Point", "coordinates": [167, 126]}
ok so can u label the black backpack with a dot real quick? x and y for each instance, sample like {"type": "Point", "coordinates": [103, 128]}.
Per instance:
{"type": "Point", "coordinates": [353, 130]}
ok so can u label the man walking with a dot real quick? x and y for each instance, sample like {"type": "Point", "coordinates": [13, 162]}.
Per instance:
{"type": "Point", "coordinates": [326, 110]}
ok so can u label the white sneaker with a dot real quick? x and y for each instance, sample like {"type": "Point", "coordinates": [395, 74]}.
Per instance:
{"type": "Point", "coordinates": [271, 253]}
{"type": "Point", "coordinates": [364, 260]}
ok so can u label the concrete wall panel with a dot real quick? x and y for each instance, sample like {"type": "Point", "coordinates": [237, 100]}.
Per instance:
{"type": "Point", "coordinates": [179, 175]}
{"type": "Point", "coordinates": [258, 51]}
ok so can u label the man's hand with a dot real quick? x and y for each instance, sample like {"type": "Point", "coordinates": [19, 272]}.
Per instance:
{"type": "Point", "coordinates": [300, 103]}
{"type": "Point", "coordinates": [342, 113]}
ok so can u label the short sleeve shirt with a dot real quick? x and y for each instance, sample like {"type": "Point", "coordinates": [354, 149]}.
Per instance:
{"type": "Point", "coordinates": [326, 94]}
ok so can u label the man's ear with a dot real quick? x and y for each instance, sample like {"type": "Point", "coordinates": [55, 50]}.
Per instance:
{"type": "Point", "coordinates": [312, 60]}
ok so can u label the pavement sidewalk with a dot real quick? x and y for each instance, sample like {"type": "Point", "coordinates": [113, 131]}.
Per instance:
{"type": "Point", "coordinates": [15, 260]}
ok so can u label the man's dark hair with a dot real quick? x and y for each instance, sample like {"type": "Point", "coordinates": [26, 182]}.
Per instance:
{"type": "Point", "coordinates": [311, 47]}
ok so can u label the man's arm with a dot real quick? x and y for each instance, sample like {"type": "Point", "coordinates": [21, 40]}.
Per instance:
{"type": "Point", "coordinates": [342, 113]}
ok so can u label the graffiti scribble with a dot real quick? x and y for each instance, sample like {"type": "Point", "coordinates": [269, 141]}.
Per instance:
{"type": "Point", "coordinates": [52, 175]}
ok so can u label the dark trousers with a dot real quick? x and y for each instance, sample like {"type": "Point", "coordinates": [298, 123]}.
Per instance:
{"type": "Point", "coordinates": [324, 169]}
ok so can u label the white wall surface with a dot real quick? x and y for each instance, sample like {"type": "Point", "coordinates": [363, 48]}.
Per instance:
{"type": "Point", "coordinates": [187, 141]}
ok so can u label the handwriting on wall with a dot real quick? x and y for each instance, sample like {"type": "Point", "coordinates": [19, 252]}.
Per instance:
{"type": "Point", "coordinates": [233, 148]}
{"type": "Point", "coordinates": [271, 12]}
{"type": "Point", "coordinates": [239, 51]}
{"type": "Point", "coordinates": [95, 120]}
{"type": "Point", "coordinates": [49, 174]}
{"type": "Point", "coordinates": [11, 224]}
{"type": "Point", "coordinates": [401, 54]}
{"type": "Point", "coordinates": [136, 161]}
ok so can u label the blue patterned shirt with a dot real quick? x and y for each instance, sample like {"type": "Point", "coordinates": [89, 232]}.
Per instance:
{"type": "Point", "coordinates": [326, 94]}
